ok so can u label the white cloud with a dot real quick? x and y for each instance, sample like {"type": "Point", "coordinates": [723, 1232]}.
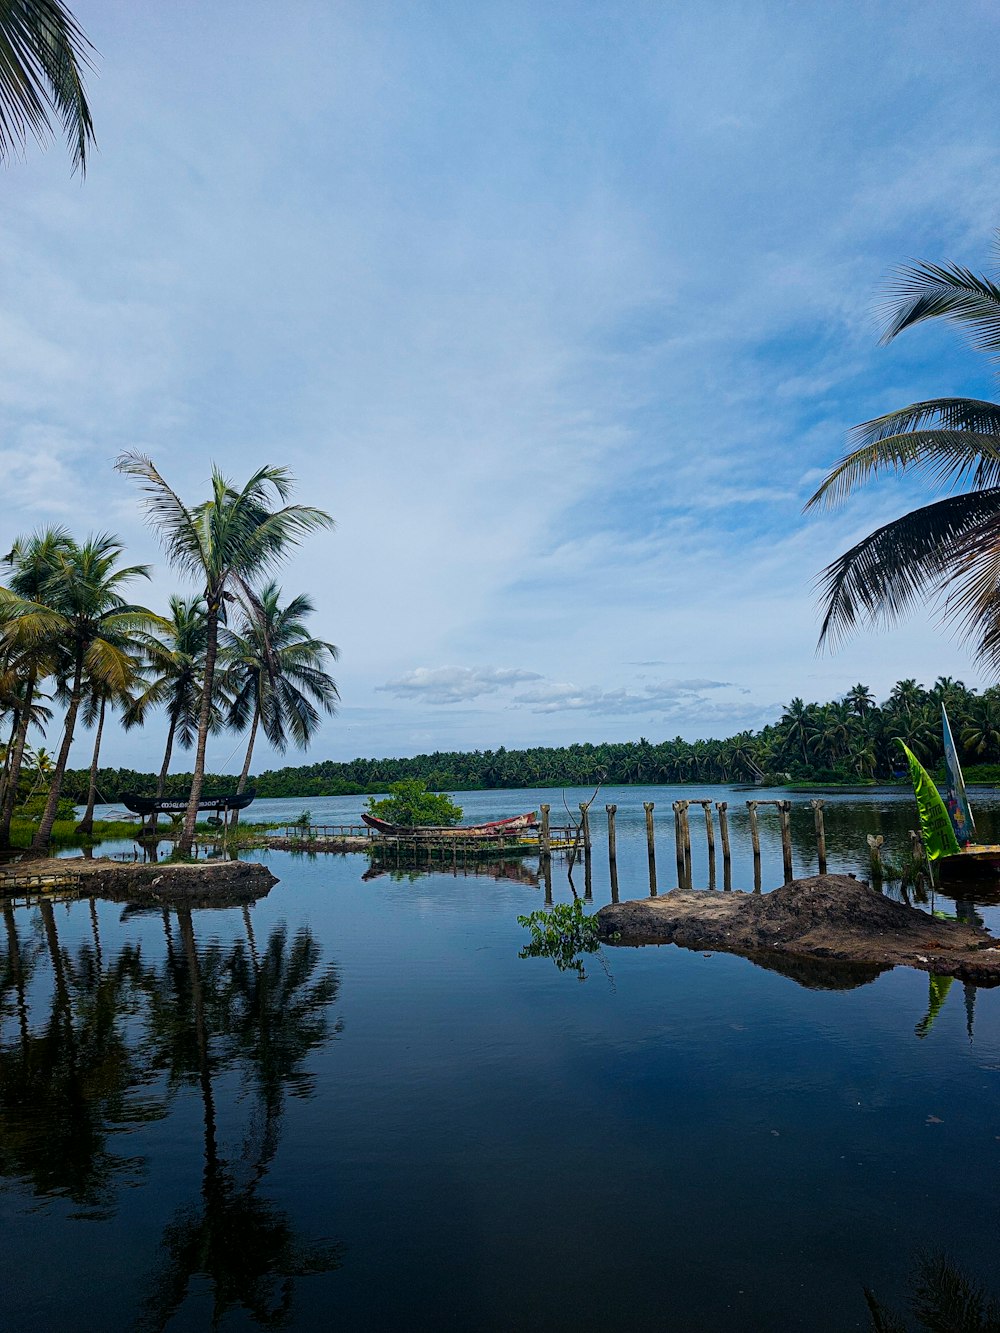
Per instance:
{"type": "Point", "coordinates": [449, 685]}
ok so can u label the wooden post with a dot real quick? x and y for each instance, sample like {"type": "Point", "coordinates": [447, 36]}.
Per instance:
{"type": "Point", "coordinates": [710, 834]}
{"type": "Point", "coordinates": [544, 841]}
{"type": "Point", "coordinates": [588, 878]}
{"type": "Point", "coordinates": [650, 846]}
{"type": "Point", "coordinates": [679, 843]}
{"type": "Point", "coordinates": [820, 834]}
{"type": "Point", "coordinates": [755, 842]}
{"type": "Point", "coordinates": [785, 812]}
{"type": "Point", "coordinates": [727, 861]}
{"type": "Point", "coordinates": [686, 830]}
{"type": "Point", "coordinates": [612, 851]}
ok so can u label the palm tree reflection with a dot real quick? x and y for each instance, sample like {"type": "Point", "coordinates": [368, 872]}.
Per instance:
{"type": "Point", "coordinates": [266, 1014]}
{"type": "Point", "coordinates": [68, 1086]}
{"type": "Point", "coordinates": [118, 1041]}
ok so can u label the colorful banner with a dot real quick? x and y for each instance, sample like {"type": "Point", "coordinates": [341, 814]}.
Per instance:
{"type": "Point", "coordinates": [956, 801]}
{"type": "Point", "coordinates": [935, 822]}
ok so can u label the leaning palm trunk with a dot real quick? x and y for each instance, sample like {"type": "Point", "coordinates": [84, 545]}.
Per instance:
{"type": "Point", "coordinates": [86, 824]}
{"type": "Point", "coordinates": [40, 842]}
{"type": "Point", "coordinates": [17, 759]}
{"type": "Point", "coordinates": [241, 785]}
{"type": "Point", "coordinates": [204, 722]}
{"type": "Point", "coordinates": [161, 781]}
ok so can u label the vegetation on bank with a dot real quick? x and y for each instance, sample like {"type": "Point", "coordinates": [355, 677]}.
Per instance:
{"type": "Point", "coordinates": [850, 741]}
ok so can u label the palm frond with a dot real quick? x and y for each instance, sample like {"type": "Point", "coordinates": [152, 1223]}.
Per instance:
{"type": "Point", "coordinates": [930, 291]}
{"type": "Point", "coordinates": [43, 53]}
{"type": "Point", "coordinates": [949, 454]}
{"type": "Point", "coordinates": [178, 528]}
{"type": "Point", "coordinates": [878, 579]}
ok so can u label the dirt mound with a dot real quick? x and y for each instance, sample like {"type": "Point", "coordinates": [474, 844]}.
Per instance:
{"type": "Point", "coordinates": [831, 917]}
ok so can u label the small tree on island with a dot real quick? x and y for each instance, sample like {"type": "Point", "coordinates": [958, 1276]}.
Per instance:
{"type": "Point", "coordinates": [411, 804]}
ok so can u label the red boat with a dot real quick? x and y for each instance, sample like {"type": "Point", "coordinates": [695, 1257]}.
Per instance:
{"type": "Point", "coordinates": [516, 824]}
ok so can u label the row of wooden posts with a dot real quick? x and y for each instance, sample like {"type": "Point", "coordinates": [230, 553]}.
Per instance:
{"type": "Point", "coordinates": [682, 839]}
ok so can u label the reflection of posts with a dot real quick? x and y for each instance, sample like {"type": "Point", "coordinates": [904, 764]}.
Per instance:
{"type": "Point", "coordinates": [650, 848]}
{"type": "Point", "coordinates": [612, 852]}
{"type": "Point", "coordinates": [820, 834]}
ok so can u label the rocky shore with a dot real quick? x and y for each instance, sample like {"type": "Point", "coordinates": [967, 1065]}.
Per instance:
{"type": "Point", "coordinates": [199, 884]}
{"type": "Point", "coordinates": [834, 919]}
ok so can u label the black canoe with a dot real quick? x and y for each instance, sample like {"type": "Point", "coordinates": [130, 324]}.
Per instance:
{"type": "Point", "coordinates": [148, 805]}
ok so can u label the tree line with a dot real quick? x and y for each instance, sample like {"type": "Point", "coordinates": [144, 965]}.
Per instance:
{"type": "Point", "coordinates": [852, 739]}
{"type": "Point", "coordinates": [233, 656]}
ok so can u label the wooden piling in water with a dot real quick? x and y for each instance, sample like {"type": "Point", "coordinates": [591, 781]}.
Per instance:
{"type": "Point", "coordinates": [612, 851]}
{"type": "Point", "coordinates": [585, 826]}
{"type": "Point", "coordinates": [727, 861]}
{"type": "Point", "coordinates": [820, 834]}
{"type": "Point", "coordinates": [755, 843]}
{"type": "Point", "coordinates": [785, 814]}
{"type": "Point", "coordinates": [679, 844]}
{"type": "Point", "coordinates": [650, 847]}
{"type": "Point", "coordinates": [544, 840]}
{"type": "Point", "coordinates": [686, 832]}
{"type": "Point", "coordinates": [706, 805]}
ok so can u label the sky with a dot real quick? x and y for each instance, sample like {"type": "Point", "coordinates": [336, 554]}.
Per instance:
{"type": "Point", "coordinates": [562, 311]}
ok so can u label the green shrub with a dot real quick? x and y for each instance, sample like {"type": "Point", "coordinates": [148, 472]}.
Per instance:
{"type": "Point", "coordinates": [411, 804]}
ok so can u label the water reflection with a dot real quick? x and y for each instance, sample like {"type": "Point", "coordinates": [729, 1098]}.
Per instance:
{"type": "Point", "coordinates": [94, 1042]}
{"type": "Point", "coordinates": [68, 1079]}
{"type": "Point", "coordinates": [266, 1012]}
{"type": "Point", "coordinates": [515, 869]}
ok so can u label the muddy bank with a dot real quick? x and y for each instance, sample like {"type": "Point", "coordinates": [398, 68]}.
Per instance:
{"type": "Point", "coordinates": [200, 884]}
{"type": "Point", "coordinates": [829, 917]}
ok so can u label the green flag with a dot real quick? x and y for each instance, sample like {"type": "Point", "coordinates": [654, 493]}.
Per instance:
{"type": "Point", "coordinates": [935, 822]}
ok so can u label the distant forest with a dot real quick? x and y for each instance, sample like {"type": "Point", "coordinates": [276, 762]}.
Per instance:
{"type": "Point", "coordinates": [850, 740]}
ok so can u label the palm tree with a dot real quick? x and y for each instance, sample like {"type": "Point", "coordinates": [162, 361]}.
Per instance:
{"type": "Point", "coordinates": [43, 53]}
{"type": "Point", "coordinates": [860, 699]}
{"type": "Point", "coordinates": [34, 561]}
{"type": "Point", "coordinates": [273, 672]}
{"type": "Point", "coordinates": [83, 611]}
{"type": "Point", "coordinates": [230, 542]}
{"type": "Point", "coordinates": [949, 549]}
{"type": "Point", "coordinates": [177, 663]}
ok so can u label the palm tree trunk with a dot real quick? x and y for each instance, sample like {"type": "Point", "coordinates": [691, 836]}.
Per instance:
{"type": "Point", "coordinates": [204, 719]}
{"type": "Point", "coordinates": [86, 824]}
{"type": "Point", "coordinates": [241, 785]}
{"type": "Point", "coordinates": [161, 781]}
{"type": "Point", "coordinates": [40, 842]}
{"type": "Point", "coordinates": [14, 774]}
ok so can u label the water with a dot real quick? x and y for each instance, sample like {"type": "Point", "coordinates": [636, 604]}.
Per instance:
{"type": "Point", "coordinates": [354, 1105]}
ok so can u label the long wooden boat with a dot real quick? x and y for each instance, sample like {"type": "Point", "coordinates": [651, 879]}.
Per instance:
{"type": "Point", "coordinates": [496, 827]}
{"type": "Point", "coordinates": [148, 805]}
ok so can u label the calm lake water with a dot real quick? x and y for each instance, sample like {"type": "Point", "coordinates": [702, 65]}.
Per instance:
{"type": "Point", "coordinates": [353, 1105]}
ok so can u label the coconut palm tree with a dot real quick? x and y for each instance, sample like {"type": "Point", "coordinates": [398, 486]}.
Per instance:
{"type": "Point", "coordinates": [43, 54]}
{"type": "Point", "coordinates": [177, 662]}
{"type": "Point", "coordinates": [99, 633]}
{"type": "Point", "coordinates": [33, 561]}
{"type": "Point", "coordinates": [950, 549]}
{"type": "Point", "coordinates": [273, 671]}
{"type": "Point", "coordinates": [228, 543]}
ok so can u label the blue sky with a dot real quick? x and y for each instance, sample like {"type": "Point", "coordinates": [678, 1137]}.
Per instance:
{"type": "Point", "coordinates": [561, 310]}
